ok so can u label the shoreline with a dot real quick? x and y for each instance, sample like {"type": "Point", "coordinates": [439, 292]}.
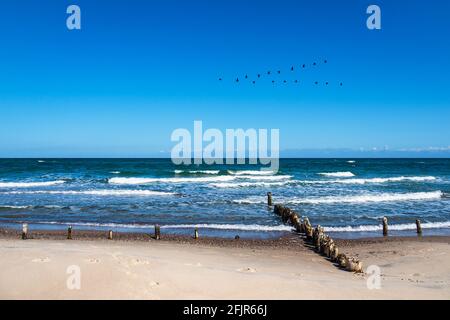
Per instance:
{"type": "Point", "coordinates": [136, 266]}
{"type": "Point", "coordinates": [276, 242]}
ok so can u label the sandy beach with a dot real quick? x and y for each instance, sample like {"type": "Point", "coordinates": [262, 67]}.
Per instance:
{"type": "Point", "coordinates": [135, 266]}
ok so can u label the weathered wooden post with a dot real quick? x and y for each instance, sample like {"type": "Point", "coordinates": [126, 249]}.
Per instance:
{"type": "Point", "coordinates": [196, 233]}
{"type": "Point", "coordinates": [269, 199]}
{"type": "Point", "coordinates": [385, 226]}
{"type": "Point", "coordinates": [157, 232]}
{"type": "Point", "coordinates": [24, 231]}
{"type": "Point", "coordinates": [419, 227]}
{"type": "Point", "coordinates": [69, 233]}
{"type": "Point", "coordinates": [110, 235]}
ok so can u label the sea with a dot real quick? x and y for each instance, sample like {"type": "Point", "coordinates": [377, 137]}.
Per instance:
{"type": "Point", "coordinates": [348, 197]}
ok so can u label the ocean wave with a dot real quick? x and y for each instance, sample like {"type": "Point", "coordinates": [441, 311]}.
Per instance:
{"type": "Point", "coordinates": [369, 180]}
{"type": "Point", "coordinates": [97, 192]}
{"type": "Point", "coordinates": [242, 227]}
{"type": "Point", "coordinates": [265, 178]}
{"type": "Point", "coordinates": [247, 184]}
{"type": "Point", "coordinates": [337, 174]}
{"type": "Point", "coordinates": [382, 197]}
{"type": "Point", "coordinates": [115, 172]}
{"type": "Point", "coordinates": [137, 181]}
{"type": "Point", "coordinates": [250, 200]}
{"type": "Point", "coordinates": [198, 171]}
{"type": "Point", "coordinates": [30, 184]}
{"type": "Point", "coordinates": [395, 227]}
{"type": "Point", "coordinates": [251, 172]}
{"type": "Point", "coordinates": [351, 161]}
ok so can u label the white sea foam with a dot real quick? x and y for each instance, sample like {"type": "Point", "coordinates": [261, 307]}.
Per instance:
{"type": "Point", "coordinates": [138, 181]}
{"type": "Point", "coordinates": [247, 184]}
{"type": "Point", "coordinates": [41, 161]}
{"type": "Point", "coordinates": [351, 161]}
{"type": "Point", "coordinates": [265, 178]}
{"type": "Point", "coordinates": [250, 200]}
{"type": "Point", "coordinates": [106, 192]}
{"type": "Point", "coordinates": [251, 172]}
{"type": "Point", "coordinates": [30, 184]}
{"type": "Point", "coordinates": [115, 172]}
{"type": "Point", "coordinates": [382, 197]}
{"type": "Point", "coordinates": [369, 180]}
{"type": "Point", "coordinates": [396, 227]}
{"type": "Point", "coordinates": [242, 227]}
{"type": "Point", "coordinates": [344, 174]}
{"type": "Point", "coordinates": [198, 171]}
{"type": "Point", "coordinates": [14, 207]}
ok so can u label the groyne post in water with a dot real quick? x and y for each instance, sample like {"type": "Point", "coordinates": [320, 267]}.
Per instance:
{"type": "Point", "coordinates": [385, 226]}
{"type": "Point", "coordinates": [110, 235]}
{"type": "Point", "coordinates": [196, 233]}
{"type": "Point", "coordinates": [69, 233]}
{"type": "Point", "coordinates": [419, 227]}
{"type": "Point", "coordinates": [157, 232]}
{"type": "Point", "coordinates": [24, 231]}
{"type": "Point", "coordinates": [269, 199]}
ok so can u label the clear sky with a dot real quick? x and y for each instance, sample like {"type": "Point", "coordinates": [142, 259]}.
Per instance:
{"type": "Point", "coordinates": [137, 70]}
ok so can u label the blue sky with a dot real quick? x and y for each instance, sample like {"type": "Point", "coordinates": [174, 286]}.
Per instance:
{"type": "Point", "coordinates": [137, 70]}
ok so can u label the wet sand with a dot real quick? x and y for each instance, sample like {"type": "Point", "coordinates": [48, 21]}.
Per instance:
{"type": "Point", "coordinates": [135, 266]}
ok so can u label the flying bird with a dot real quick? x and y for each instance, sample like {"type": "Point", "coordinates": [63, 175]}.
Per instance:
{"type": "Point", "coordinates": [268, 72]}
{"type": "Point", "coordinates": [325, 61]}
{"type": "Point", "coordinates": [237, 79]}
{"type": "Point", "coordinates": [304, 66]}
{"type": "Point", "coordinates": [220, 79]}
{"type": "Point", "coordinates": [316, 82]}
{"type": "Point", "coordinates": [292, 68]}
{"type": "Point", "coordinates": [254, 81]}
{"type": "Point", "coordinates": [259, 76]}
{"type": "Point", "coordinates": [246, 76]}
{"type": "Point", "coordinates": [279, 71]}
{"type": "Point", "coordinates": [314, 64]}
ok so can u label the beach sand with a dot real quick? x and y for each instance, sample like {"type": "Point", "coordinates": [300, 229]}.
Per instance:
{"type": "Point", "coordinates": [138, 267]}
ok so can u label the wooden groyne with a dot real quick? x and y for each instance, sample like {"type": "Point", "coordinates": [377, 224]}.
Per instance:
{"type": "Point", "coordinates": [323, 244]}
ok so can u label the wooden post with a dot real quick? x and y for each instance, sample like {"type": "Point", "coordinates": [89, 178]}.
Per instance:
{"type": "Point", "coordinates": [196, 233]}
{"type": "Point", "coordinates": [25, 231]}
{"type": "Point", "coordinates": [269, 198]}
{"type": "Point", "coordinates": [419, 227]}
{"type": "Point", "coordinates": [69, 232]}
{"type": "Point", "coordinates": [110, 235]}
{"type": "Point", "coordinates": [385, 226]}
{"type": "Point", "coordinates": [157, 232]}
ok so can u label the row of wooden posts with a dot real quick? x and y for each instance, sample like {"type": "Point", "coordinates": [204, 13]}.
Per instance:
{"type": "Point", "coordinates": [384, 220]}
{"type": "Point", "coordinates": [322, 242]}
{"type": "Point", "coordinates": [157, 234]}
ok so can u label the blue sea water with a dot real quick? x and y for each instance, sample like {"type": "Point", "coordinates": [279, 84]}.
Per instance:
{"type": "Point", "coordinates": [346, 196]}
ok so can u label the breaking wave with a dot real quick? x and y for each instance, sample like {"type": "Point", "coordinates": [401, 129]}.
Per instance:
{"type": "Point", "coordinates": [397, 227]}
{"type": "Point", "coordinates": [98, 192]}
{"type": "Point", "coordinates": [30, 184]}
{"type": "Point", "coordinates": [337, 174]}
{"type": "Point", "coordinates": [370, 180]}
{"type": "Point", "coordinates": [382, 197]}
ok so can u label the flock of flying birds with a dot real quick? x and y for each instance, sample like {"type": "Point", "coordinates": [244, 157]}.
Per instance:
{"type": "Point", "coordinates": [270, 74]}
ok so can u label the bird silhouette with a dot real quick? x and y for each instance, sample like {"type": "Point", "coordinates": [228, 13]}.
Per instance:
{"type": "Point", "coordinates": [237, 79]}
{"type": "Point", "coordinates": [284, 81]}
{"type": "Point", "coordinates": [268, 72]}
{"type": "Point", "coordinates": [246, 76]}
{"type": "Point", "coordinates": [326, 83]}
{"type": "Point", "coordinates": [220, 79]}
{"type": "Point", "coordinates": [296, 81]}
{"type": "Point", "coordinates": [341, 84]}
{"type": "Point", "coordinates": [279, 71]}
{"type": "Point", "coordinates": [314, 64]}
{"type": "Point", "coordinates": [292, 68]}
{"type": "Point", "coordinates": [316, 82]}
{"type": "Point", "coordinates": [304, 66]}
{"type": "Point", "coordinates": [325, 61]}
{"type": "Point", "coordinates": [254, 81]}
{"type": "Point", "coordinates": [259, 76]}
